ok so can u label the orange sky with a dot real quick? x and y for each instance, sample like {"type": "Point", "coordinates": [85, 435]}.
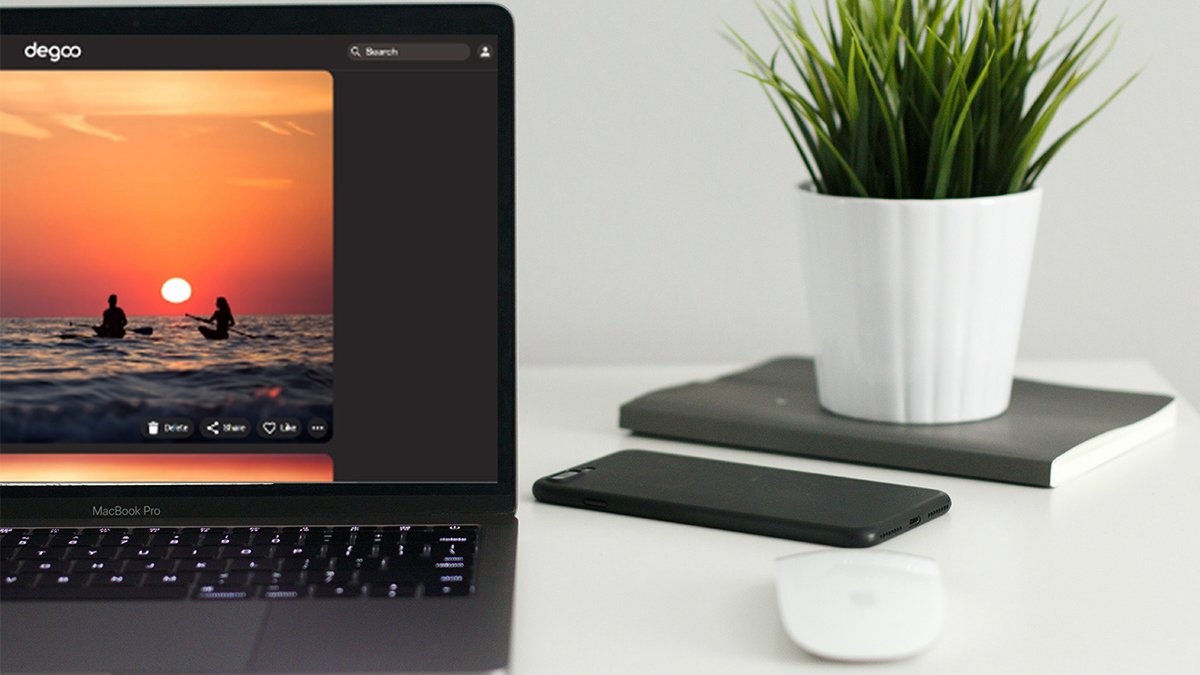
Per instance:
{"type": "Point", "coordinates": [113, 182]}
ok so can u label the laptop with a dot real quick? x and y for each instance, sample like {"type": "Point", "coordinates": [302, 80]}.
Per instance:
{"type": "Point", "coordinates": [257, 370]}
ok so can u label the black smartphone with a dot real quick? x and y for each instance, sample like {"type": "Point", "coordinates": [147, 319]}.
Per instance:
{"type": "Point", "coordinates": [756, 499]}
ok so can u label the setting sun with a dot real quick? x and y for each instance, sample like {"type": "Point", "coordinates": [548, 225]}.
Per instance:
{"type": "Point", "coordinates": [216, 157]}
{"type": "Point", "coordinates": [176, 290]}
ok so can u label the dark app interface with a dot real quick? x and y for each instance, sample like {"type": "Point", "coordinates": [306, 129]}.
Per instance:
{"type": "Point", "coordinates": [248, 259]}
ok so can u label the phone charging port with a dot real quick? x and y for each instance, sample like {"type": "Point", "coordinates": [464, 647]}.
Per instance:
{"type": "Point", "coordinates": [914, 520]}
{"type": "Point", "coordinates": [595, 503]}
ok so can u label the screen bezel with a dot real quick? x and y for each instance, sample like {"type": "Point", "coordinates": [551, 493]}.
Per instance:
{"type": "Point", "coordinates": [297, 499]}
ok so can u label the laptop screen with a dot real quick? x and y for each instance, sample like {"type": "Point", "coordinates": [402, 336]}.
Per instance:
{"type": "Point", "coordinates": [250, 258]}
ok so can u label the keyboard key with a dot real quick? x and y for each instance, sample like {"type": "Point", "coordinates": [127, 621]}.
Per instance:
{"type": "Point", "coordinates": [403, 575]}
{"type": "Point", "coordinates": [392, 590]}
{"type": "Point", "coordinates": [36, 553]}
{"type": "Point", "coordinates": [250, 564]}
{"type": "Point", "coordinates": [195, 552]}
{"type": "Point", "coordinates": [184, 579]}
{"type": "Point", "coordinates": [148, 532]}
{"type": "Point", "coordinates": [457, 543]}
{"type": "Point", "coordinates": [116, 538]}
{"type": "Point", "coordinates": [18, 580]}
{"type": "Point", "coordinates": [61, 580]}
{"type": "Point", "coordinates": [330, 577]}
{"type": "Point", "coordinates": [46, 566]}
{"type": "Point", "coordinates": [90, 553]}
{"type": "Point", "coordinates": [196, 565]}
{"type": "Point", "coordinates": [137, 537]}
{"type": "Point", "coordinates": [217, 592]}
{"type": "Point", "coordinates": [334, 534]}
{"type": "Point", "coordinates": [299, 551]}
{"type": "Point", "coordinates": [93, 566]}
{"type": "Point", "coordinates": [400, 551]}
{"type": "Point", "coordinates": [115, 579]}
{"type": "Point", "coordinates": [146, 552]}
{"type": "Point", "coordinates": [299, 564]}
{"type": "Point", "coordinates": [149, 565]}
{"type": "Point", "coordinates": [442, 550]}
{"type": "Point", "coordinates": [337, 591]}
{"type": "Point", "coordinates": [246, 552]}
{"type": "Point", "coordinates": [175, 539]}
{"type": "Point", "coordinates": [283, 592]}
{"type": "Point", "coordinates": [261, 578]}
{"type": "Point", "coordinates": [350, 551]}
{"type": "Point", "coordinates": [375, 564]}
{"type": "Point", "coordinates": [380, 537]}
{"type": "Point", "coordinates": [349, 564]}
{"type": "Point", "coordinates": [222, 579]}
{"type": "Point", "coordinates": [74, 539]}
{"type": "Point", "coordinates": [32, 538]}
{"type": "Point", "coordinates": [278, 539]}
{"type": "Point", "coordinates": [286, 578]}
{"type": "Point", "coordinates": [447, 590]}
{"type": "Point", "coordinates": [235, 538]}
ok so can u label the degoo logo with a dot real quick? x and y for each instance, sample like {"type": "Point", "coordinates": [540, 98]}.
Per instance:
{"type": "Point", "coordinates": [53, 52]}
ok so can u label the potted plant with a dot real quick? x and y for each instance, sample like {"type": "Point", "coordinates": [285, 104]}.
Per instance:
{"type": "Point", "coordinates": [921, 124]}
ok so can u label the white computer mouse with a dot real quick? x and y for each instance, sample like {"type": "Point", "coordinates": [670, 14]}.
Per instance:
{"type": "Point", "coordinates": [860, 605]}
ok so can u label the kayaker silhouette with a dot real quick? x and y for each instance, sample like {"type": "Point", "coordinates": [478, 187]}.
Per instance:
{"type": "Point", "coordinates": [223, 318]}
{"type": "Point", "coordinates": [112, 323]}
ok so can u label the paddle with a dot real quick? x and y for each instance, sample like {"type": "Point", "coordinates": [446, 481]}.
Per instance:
{"type": "Point", "coordinates": [231, 328]}
{"type": "Point", "coordinates": [143, 330]}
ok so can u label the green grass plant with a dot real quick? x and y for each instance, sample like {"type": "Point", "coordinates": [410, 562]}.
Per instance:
{"type": "Point", "coordinates": [926, 99]}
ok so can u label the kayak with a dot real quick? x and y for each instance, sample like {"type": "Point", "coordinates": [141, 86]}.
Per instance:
{"type": "Point", "coordinates": [212, 333]}
{"type": "Point", "coordinates": [109, 333]}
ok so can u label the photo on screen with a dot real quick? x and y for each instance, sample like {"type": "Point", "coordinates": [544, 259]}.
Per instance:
{"type": "Point", "coordinates": [166, 257]}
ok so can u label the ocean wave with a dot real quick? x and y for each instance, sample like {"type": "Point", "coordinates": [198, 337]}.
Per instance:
{"type": "Point", "coordinates": [89, 389]}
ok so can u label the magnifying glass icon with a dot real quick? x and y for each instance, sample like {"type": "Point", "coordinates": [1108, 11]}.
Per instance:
{"type": "Point", "coordinates": [355, 51]}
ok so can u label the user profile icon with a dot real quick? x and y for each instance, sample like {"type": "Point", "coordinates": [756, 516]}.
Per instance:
{"type": "Point", "coordinates": [485, 51]}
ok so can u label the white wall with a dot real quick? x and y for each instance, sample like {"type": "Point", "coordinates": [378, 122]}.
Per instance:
{"type": "Point", "coordinates": [655, 219]}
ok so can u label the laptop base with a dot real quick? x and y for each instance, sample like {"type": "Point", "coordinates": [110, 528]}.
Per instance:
{"type": "Point", "coordinates": [460, 634]}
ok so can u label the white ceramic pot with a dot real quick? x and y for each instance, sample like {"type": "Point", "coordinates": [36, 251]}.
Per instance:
{"type": "Point", "coordinates": [916, 304]}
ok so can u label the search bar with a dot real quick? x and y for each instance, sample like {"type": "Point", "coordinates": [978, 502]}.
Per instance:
{"type": "Point", "coordinates": [408, 51]}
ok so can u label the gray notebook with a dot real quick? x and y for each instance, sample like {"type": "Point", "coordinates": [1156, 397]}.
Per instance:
{"type": "Point", "coordinates": [1050, 434]}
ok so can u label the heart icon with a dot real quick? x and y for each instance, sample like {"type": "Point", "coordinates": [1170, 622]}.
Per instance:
{"type": "Point", "coordinates": [269, 427]}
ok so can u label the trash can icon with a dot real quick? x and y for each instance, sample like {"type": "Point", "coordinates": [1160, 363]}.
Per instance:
{"type": "Point", "coordinates": [152, 427]}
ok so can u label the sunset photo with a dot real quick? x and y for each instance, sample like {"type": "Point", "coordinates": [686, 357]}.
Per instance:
{"type": "Point", "coordinates": [166, 253]}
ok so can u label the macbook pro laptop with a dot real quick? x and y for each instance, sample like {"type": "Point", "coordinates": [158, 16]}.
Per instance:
{"type": "Point", "coordinates": [257, 371]}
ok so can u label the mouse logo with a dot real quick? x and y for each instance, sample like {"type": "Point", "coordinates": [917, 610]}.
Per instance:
{"type": "Point", "coordinates": [54, 53]}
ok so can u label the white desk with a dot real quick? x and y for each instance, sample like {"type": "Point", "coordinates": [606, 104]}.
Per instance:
{"type": "Point", "coordinates": [1100, 575]}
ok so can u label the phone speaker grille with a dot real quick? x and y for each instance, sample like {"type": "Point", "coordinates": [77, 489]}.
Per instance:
{"type": "Point", "coordinates": [890, 532]}
{"type": "Point", "coordinates": [938, 511]}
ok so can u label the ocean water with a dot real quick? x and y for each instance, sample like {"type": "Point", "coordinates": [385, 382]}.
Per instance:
{"type": "Point", "coordinates": [60, 383]}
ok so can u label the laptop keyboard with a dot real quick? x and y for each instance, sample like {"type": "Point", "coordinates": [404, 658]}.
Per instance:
{"type": "Point", "coordinates": [237, 563]}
